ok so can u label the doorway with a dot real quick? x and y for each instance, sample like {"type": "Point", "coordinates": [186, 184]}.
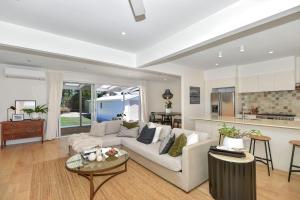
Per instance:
{"type": "Point", "coordinates": [76, 108]}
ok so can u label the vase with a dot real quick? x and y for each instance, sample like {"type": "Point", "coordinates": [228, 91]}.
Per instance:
{"type": "Point", "coordinates": [35, 116]}
{"type": "Point", "coordinates": [168, 110]}
{"type": "Point", "coordinates": [236, 143]}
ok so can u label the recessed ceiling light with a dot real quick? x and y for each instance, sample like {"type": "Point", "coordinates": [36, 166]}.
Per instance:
{"type": "Point", "coordinates": [217, 64]}
{"type": "Point", "coordinates": [220, 55]}
{"type": "Point", "coordinates": [242, 49]}
{"type": "Point", "coordinates": [271, 52]}
{"type": "Point", "coordinates": [123, 33]}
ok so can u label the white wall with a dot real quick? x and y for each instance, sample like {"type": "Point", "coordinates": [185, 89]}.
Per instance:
{"type": "Point", "coordinates": [155, 90]}
{"type": "Point", "coordinates": [189, 77]}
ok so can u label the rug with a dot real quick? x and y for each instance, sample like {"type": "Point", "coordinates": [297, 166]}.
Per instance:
{"type": "Point", "coordinates": [51, 181]}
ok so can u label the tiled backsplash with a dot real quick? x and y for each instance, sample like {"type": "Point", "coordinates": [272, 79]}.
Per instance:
{"type": "Point", "coordinates": [284, 102]}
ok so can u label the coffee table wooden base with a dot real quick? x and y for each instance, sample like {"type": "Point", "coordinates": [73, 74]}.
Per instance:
{"type": "Point", "coordinates": [91, 176]}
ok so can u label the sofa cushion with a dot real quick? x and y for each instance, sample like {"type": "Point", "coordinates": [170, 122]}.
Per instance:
{"type": "Point", "coordinates": [166, 144]}
{"type": "Point", "coordinates": [85, 142]}
{"type": "Point", "coordinates": [176, 149]}
{"type": "Point", "coordinates": [202, 135]}
{"type": "Point", "coordinates": [146, 136]}
{"type": "Point", "coordinates": [165, 130]}
{"type": "Point", "coordinates": [112, 127]}
{"type": "Point", "coordinates": [157, 131]}
{"type": "Point", "coordinates": [125, 132]}
{"type": "Point", "coordinates": [150, 152]}
{"type": "Point", "coordinates": [192, 139]}
{"type": "Point", "coordinates": [130, 125]}
{"type": "Point", "coordinates": [97, 129]}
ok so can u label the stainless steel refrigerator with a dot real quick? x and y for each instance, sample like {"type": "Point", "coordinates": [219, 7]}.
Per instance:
{"type": "Point", "coordinates": [223, 101]}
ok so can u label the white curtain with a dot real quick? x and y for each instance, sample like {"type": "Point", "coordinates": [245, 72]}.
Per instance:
{"type": "Point", "coordinates": [55, 87]}
{"type": "Point", "coordinates": [144, 103]}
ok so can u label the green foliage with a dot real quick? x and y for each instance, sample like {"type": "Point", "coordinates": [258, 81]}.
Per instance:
{"type": "Point", "coordinates": [28, 110]}
{"type": "Point", "coordinates": [232, 132]}
{"type": "Point", "coordinates": [38, 109]}
{"type": "Point", "coordinates": [41, 109]}
{"type": "Point", "coordinates": [168, 104]}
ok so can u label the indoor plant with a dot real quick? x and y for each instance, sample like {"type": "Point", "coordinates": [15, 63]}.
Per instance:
{"type": "Point", "coordinates": [168, 105]}
{"type": "Point", "coordinates": [233, 138]}
{"type": "Point", "coordinates": [37, 112]}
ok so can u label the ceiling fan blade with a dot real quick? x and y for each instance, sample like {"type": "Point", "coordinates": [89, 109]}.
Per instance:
{"type": "Point", "coordinates": [137, 7]}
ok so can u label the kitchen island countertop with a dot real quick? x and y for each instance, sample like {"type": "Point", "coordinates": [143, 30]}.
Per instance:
{"type": "Point", "coordinates": [257, 122]}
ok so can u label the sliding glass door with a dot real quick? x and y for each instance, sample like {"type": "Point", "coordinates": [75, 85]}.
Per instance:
{"type": "Point", "coordinates": [76, 108]}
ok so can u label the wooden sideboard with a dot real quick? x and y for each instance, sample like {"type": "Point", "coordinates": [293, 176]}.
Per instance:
{"type": "Point", "coordinates": [21, 129]}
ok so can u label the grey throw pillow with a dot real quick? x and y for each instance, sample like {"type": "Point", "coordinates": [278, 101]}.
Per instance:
{"type": "Point", "coordinates": [166, 144]}
{"type": "Point", "coordinates": [125, 132]}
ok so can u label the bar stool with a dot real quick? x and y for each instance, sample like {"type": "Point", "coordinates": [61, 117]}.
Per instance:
{"type": "Point", "coordinates": [295, 143]}
{"type": "Point", "coordinates": [266, 141]}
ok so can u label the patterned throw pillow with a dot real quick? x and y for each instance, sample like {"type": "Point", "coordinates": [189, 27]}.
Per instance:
{"type": "Point", "coordinates": [176, 149]}
{"type": "Point", "coordinates": [166, 144]}
{"type": "Point", "coordinates": [125, 132]}
{"type": "Point", "coordinates": [130, 125]}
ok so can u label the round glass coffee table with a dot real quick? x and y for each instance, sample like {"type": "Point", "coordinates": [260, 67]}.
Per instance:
{"type": "Point", "coordinates": [89, 170]}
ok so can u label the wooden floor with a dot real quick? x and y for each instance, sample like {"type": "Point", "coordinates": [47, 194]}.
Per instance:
{"type": "Point", "coordinates": [16, 167]}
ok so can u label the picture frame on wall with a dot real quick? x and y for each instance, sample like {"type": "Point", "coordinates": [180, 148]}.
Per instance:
{"type": "Point", "coordinates": [24, 104]}
{"type": "Point", "coordinates": [17, 117]}
{"type": "Point", "coordinates": [194, 95]}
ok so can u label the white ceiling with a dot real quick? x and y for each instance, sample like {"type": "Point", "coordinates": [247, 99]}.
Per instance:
{"type": "Point", "coordinates": [9, 56]}
{"type": "Point", "coordinates": [284, 40]}
{"type": "Point", "coordinates": [102, 21]}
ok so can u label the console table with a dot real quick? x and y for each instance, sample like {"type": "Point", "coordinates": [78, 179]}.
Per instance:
{"type": "Point", "coordinates": [21, 129]}
{"type": "Point", "coordinates": [232, 178]}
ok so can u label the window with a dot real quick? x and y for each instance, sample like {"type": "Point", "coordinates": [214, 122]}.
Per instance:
{"type": "Point", "coordinates": [76, 108]}
{"type": "Point", "coordinates": [113, 101]}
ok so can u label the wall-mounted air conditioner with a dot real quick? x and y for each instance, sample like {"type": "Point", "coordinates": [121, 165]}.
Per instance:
{"type": "Point", "coordinates": [13, 71]}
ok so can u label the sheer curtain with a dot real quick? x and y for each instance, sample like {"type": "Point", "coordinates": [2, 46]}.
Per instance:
{"type": "Point", "coordinates": [144, 103]}
{"type": "Point", "coordinates": [55, 87]}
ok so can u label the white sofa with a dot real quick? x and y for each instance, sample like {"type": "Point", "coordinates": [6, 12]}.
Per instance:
{"type": "Point", "coordinates": [186, 171]}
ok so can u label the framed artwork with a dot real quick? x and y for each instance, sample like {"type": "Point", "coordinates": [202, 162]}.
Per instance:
{"type": "Point", "coordinates": [194, 95]}
{"type": "Point", "coordinates": [17, 117]}
{"type": "Point", "coordinates": [24, 104]}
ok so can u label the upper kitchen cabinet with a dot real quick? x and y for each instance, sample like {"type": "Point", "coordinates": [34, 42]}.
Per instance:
{"type": "Point", "coordinates": [298, 70]}
{"type": "Point", "coordinates": [271, 75]}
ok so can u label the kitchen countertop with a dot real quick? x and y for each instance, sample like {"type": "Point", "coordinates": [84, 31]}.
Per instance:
{"type": "Point", "coordinates": [257, 122]}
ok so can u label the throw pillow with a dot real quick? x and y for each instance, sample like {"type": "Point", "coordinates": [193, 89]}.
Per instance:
{"type": "Point", "coordinates": [125, 132]}
{"type": "Point", "coordinates": [192, 139]}
{"type": "Point", "coordinates": [166, 144]}
{"type": "Point", "coordinates": [157, 132]}
{"type": "Point", "coordinates": [130, 125]}
{"type": "Point", "coordinates": [97, 129]}
{"type": "Point", "coordinates": [112, 127]}
{"type": "Point", "coordinates": [176, 149]}
{"type": "Point", "coordinates": [146, 135]}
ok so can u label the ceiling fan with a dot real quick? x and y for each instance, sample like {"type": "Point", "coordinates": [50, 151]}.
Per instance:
{"type": "Point", "coordinates": [138, 9]}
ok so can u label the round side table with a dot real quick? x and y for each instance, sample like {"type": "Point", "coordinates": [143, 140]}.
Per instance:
{"type": "Point", "coordinates": [232, 178]}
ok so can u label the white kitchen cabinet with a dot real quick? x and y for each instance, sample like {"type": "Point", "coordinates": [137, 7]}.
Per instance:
{"type": "Point", "coordinates": [272, 75]}
{"type": "Point", "coordinates": [265, 82]}
{"type": "Point", "coordinates": [248, 84]}
{"type": "Point", "coordinates": [284, 81]}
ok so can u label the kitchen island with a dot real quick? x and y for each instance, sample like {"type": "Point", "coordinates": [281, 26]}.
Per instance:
{"type": "Point", "coordinates": [281, 132]}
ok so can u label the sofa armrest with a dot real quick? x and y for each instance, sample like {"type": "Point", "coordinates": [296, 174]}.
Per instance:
{"type": "Point", "coordinates": [195, 164]}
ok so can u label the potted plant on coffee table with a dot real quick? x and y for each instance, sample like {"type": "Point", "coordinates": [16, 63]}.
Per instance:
{"type": "Point", "coordinates": [233, 137]}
